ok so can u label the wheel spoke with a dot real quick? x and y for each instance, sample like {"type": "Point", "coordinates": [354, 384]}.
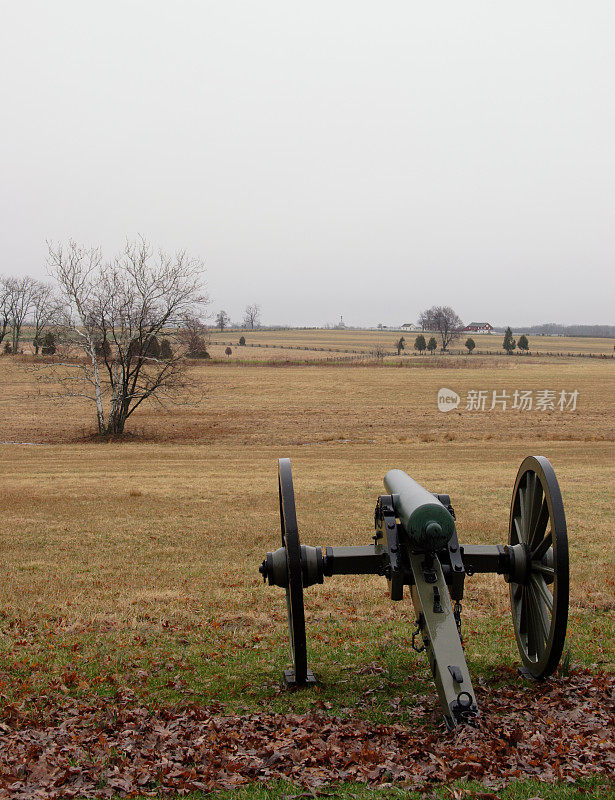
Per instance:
{"type": "Point", "coordinates": [536, 629]}
{"type": "Point", "coordinates": [538, 582]}
{"type": "Point", "coordinates": [517, 592]}
{"type": "Point", "coordinates": [531, 491]}
{"type": "Point", "coordinates": [538, 502]}
{"type": "Point", "coordinates": [542, 619]}
{"type": "Point", "coordinates": [532, 645]}
{"type": "Point", "coordinates": [541, 549]}
{"type": "Point", "coordinates": [517, 522]}
{"type": "Point", "coordinates": [540, 523]}
{"type": "Point", "coordinates": [523, 509]}
{"type": "Point", "coordinates": [523, 613]}
{"type": "Point", "coordinates": [548, 572]}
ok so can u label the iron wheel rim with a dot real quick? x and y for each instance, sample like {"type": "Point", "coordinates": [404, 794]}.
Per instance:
{"type": "Point", "coordinates": [540, 604]}
{"type": "Point", "coordinates": [294, 588]}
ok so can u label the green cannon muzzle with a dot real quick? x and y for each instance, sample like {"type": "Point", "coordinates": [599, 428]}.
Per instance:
{"type": "Point", "coordinates": [428, 524]}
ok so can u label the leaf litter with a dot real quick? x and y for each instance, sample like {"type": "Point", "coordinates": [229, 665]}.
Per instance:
{"type": "Point", "coordinates": [63, 747]}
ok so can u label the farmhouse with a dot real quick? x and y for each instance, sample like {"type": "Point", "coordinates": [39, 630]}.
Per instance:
{"type": "Point", "coordinates": [479, 327]}
{"type": "Point", "coordinates": [409, 326]}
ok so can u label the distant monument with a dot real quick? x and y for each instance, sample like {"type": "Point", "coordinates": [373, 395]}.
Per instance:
{"type": "Point", "coordinates": [340, 325]}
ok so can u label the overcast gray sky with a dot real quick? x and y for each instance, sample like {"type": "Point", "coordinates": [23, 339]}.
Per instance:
{"type": "Point", "coordinates": [324, 158]}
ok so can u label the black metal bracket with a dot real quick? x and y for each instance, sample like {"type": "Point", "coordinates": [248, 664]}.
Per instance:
{"type": "Point", "coordinates": [525, 673]}
{"type": "Point", "coordinates": [420, 624]}
{"type": "Point", "coordinates": [486, 558]}
{"type": "Point", "coordinates": [290, 679]}
{"type": "Point", "coordinates": [445, 499]}
{"type": "Point", "coordinates": [463, 709]}
{"type": "Point", "coordinates": [386, 523]}
{"type": "Point", "coordinates": [427, 568]}
{"type": "Point", "coordinates": [458, 572]}
{"type": "Point", "coordinates": [369, 559]}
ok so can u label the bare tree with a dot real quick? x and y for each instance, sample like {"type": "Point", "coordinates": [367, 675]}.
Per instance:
{"type": "Point", "coordinates": [113, 313]}
{"type": "Point", "coordinates": [222, 320]}
{"type": "Point", "coordinates": [252, 316]}
{"type": "Point", "coordinates": [194, 337]}
{"type": "Point", "coordinates": [443, 320]}
{"type": "Point", "coordinates": [20, 294]}
{"type": "Point", "coordinates": [21, 298]}
{"type": "Point", "coordinates": [45, 309]}
{"type": "Point", "coordinates": [5, 308]}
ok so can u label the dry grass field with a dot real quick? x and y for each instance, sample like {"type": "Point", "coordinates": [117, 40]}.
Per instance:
{"type": "Point", "coordinates": [133, 565]}
{"type": "Point", "coordinates": [330, 342]}
{"type": "Point", "coordinates": [173, 523]}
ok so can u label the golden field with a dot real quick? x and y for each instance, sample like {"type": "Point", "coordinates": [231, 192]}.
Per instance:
{"type": "Point", "coordinates": [331, 342]}
{"type": "Point", "coordinates": [161, 535]}
{"type": "Point", "coordinates": [193, 494]}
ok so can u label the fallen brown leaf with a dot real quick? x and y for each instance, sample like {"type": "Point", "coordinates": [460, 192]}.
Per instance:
{"type": "Point", "coordinates": [62, 747]}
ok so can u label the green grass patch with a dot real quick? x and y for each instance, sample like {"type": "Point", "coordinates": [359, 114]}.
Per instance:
{"type": "Point", "coordinates": [588, 789]}
{"type": "Point", "coordinates": [368, 667]}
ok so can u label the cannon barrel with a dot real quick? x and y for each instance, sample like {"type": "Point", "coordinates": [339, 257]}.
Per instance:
{"type": "Point", "coordinates": [428, 524]}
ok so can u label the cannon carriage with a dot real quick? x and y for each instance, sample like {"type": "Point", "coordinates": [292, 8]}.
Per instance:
{"type": "Point", "coordinates": [416, 548]}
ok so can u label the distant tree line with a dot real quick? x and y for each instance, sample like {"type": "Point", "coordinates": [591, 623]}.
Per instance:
{"type": "Point", "coordinates": [555, 329]}
{"type": "Point", "coordinates": [25, 300]}
{"type": "Point", "coordinates": [251, 319]}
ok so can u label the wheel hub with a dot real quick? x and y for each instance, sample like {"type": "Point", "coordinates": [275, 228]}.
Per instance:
{"type": "Point", "coordinates": [520, 565]}
{"type": "Point", "coordinates": [274, 568]}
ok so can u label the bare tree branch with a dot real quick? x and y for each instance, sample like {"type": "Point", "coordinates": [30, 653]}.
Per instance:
{"type": "Point", "coordinates": [131, 319]}
{"type": "Point", "coordinates": [45, 309]}
{"type": "Point", "coordinates": [5, 307]}
{"type": "Point", "coordinates": [252, 316]}
{"type": "Point", "coordinates": [443, 320]}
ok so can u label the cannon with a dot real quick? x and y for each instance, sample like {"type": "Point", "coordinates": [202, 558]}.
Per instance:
{"type": "Point", "coordinates": [415, 546]}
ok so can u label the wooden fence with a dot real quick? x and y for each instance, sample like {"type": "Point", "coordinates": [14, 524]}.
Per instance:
{"type": "Point", "coordinates": [408, 353]}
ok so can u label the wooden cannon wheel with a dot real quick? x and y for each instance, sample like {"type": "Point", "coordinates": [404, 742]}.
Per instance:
{"type": "Point", "coordinates": [539, 603]}
{"type": "Point", "coordinates": [294, 588]}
